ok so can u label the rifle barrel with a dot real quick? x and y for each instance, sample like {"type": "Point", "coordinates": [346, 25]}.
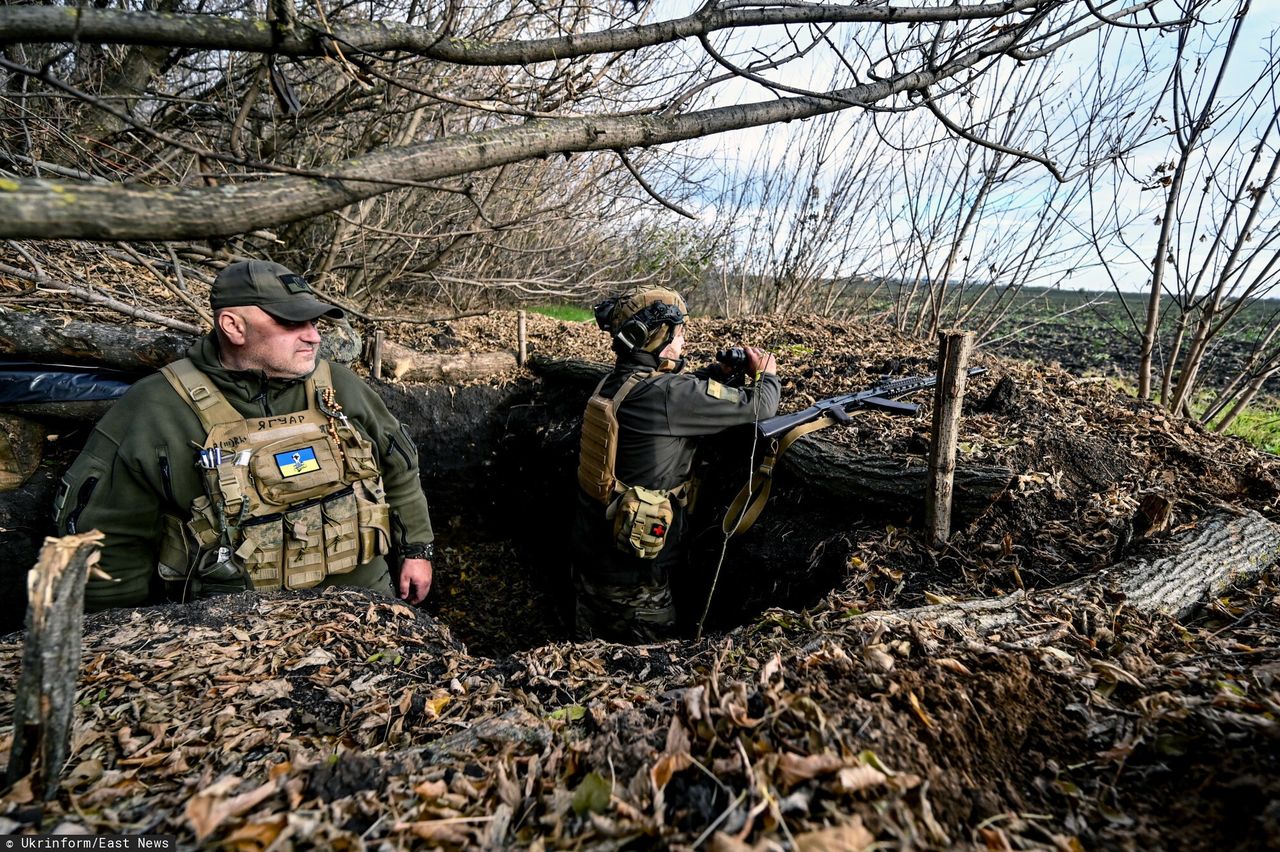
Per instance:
{"type": "Point", "coordinates": [774, 426]}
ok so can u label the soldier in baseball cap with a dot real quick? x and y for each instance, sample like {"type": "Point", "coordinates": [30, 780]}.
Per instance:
{"type": "Point", "coordinates": [251, 464]}
{"type": "Point", "coordinates": [274, 288]}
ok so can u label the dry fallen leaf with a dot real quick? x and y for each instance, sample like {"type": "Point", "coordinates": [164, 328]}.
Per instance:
{"type": "Point", "coordinates": [845, 838]}
{"type": "Point", "coordinates": [919, 711]}
{"type": "Point", "coordinates": [667, 766]}
{"type": "Point", "coordinates": [854, 778]}
{"type": "Point", "coordinates": [794, 768]}
{"type": "Point", "coordinates": [209, 809]}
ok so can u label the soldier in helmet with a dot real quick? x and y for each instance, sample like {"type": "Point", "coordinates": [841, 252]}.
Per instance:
{"type": "Point", "coordinates": [635, 465]}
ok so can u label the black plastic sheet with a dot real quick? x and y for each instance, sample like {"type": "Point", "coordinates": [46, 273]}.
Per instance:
{"type": "Point", "coordinates": [23, 383]}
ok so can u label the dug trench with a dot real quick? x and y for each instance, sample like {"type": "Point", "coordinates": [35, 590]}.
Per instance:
{"type": "Point", "coordinates": [1003, 735]}
{"type": "Point", "coordinates": [791, 716]}
{"type": "Point", "coordinates": [499, 468]}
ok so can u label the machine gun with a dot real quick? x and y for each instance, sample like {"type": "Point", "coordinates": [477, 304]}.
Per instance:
{"type": "Point", "coordinates": [783, 430]}
{"type": "Point", "coordinates": [883, 396]}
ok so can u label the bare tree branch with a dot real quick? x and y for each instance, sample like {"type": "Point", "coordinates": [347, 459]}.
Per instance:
{"type": "Point", "coordinates": [653, 193]}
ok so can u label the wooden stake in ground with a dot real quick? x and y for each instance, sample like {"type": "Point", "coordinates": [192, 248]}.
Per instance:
{"type": "Point", "coordinates": [953, 363]}
{"type": "Point", "coordinates": [523, 340]}
{"type": "Point", "coordinates": [46, 696]}
{"type": "Point", "coordinates": [376, 369]}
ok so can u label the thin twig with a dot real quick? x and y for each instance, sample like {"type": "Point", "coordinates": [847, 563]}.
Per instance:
{"type": "Point", "coordinates": [178, 291]}
{"type": "Point", "coordinates": [653, 193]}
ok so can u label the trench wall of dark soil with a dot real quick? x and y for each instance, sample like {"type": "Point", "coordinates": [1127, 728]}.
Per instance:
{"type": "Point", "coordinates": [498, 467]}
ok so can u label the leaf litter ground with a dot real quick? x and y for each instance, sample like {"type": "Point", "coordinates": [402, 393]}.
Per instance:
{"type": "Point", "coordinates": [341, 721]}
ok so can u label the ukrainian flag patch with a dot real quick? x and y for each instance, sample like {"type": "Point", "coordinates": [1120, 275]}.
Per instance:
{"type": "Point", "coordinates": [297, 462]}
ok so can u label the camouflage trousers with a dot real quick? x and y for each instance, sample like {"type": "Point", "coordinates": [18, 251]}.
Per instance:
{"type": "Point", "coordinates": [619, 597]}
{"type": "Point", "coordinates": [635, 613]}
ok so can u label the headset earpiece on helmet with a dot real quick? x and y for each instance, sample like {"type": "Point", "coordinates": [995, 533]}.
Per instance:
{"type": "Point", "coordinates": [604, 314]}
{"type": "Point", "coordinates": [634, 333]}
{"type": "Point", "coordinates": [644, 320]}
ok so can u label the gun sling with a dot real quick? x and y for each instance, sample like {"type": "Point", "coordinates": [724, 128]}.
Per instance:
{"type": "Point", "coordinates": [750, 500]}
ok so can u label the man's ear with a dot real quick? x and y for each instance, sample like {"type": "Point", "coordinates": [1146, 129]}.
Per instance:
{"type": "Point", "coordinates": [232, 326]}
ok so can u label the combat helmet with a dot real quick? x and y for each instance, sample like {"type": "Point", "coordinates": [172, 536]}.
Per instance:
{"type": "Point", "coordinates": [644, 319]}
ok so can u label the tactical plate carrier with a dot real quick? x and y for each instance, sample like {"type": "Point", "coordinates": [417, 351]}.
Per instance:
{"type": "Point", "coordinates": [288, 499]}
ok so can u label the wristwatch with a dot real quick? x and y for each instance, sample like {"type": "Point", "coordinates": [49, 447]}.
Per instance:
{"type": "Point", "coordinates": [418, 551]}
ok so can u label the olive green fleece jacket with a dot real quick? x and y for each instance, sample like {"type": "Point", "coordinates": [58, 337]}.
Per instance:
{"type": "Point", "coordinates": [140, 464]}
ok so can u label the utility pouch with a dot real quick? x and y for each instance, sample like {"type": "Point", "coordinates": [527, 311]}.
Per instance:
{"type": "Point", "coordinates": [203, 525]}
{"type": "Point", "coordinates": [374, 520]}
{"type": "Point", "coordinates": [303, 547]}
{"type": "Point", "coordinates": [641, 520]}
{"type": "Point", "coordinates": [174, 558]}
{"type": "Point", "coordinates": [261, 552]}
{"type": "Point", "coordinates": [341, 533]}
{"type": "Point", "coordinates": [290, 471]}
{"type": "Point", "coordinates": [361, 462]}
{"type": "Point", "coordinates": [218, 571]}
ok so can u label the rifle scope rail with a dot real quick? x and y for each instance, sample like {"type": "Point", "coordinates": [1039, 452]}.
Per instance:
{"type": "Point", "coordinates": [838, 407]}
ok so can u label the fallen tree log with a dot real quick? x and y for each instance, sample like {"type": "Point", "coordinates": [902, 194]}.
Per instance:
{"type": "Point", "coordinates": [45, 339]}
{"type": "Point", "coordinates": [34, 337]}
{"type": "Point", "coordinates": [41, 338]}
{"type": "Point", "coordinates": [407, 365]}
{"type": "Point", "coordinates": [569, 371]}
{"type": "Point", "coordinates": [1191, 568]}
{"type": "Point", "coordinates": [842, 474]}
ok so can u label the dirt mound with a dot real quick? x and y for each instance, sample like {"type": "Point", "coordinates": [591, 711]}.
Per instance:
{"type": "Point", "coordinates": [338, 719]}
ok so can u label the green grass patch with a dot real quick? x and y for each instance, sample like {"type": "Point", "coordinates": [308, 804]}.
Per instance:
{"type": "Point", "coordinates": [567, 313]}
{"type": "Point", "coordinates": [1259, 426]}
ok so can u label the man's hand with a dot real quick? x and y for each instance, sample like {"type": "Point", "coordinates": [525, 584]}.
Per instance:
{"type": "Point", "coordinates": [415, 580]}
{"type": "Point", "coordinates": [760, 362]}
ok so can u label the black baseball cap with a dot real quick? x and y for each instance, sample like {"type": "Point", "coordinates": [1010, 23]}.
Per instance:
{"type": "Point", "coordinates": [272, 287]}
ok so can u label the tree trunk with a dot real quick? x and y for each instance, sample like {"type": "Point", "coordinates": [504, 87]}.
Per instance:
{"type": "Point", "coordinates": [1193, 567]}
{"type": "Point", "coordinates": [46, 339]}
{"type": "Point", "coordinates": [46, 695]}
{"type": "Point", "coordinates": [568, 371]}
{"type": "Point", "coordinates": [406, 365]}
{"type": "Point", "coordinates": [953, 361]}
{"type": "Point", "coordinates": [842, 474]}
{"type": "Point", "coordinates": [47, 209]}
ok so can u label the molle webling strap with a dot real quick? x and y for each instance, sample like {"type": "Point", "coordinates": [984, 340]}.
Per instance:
{"type": "Point", "coordinates": [199, 392]}
{"type": "Point", "coordinates": [320, 379]}
{"type": "Point", "coordinates": [598, 452]}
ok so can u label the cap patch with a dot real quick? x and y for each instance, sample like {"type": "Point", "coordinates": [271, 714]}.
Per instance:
{"type": "Point", "coordinates": [295, 284]}
{"type": "Point", "coordinates": [296, 462]}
